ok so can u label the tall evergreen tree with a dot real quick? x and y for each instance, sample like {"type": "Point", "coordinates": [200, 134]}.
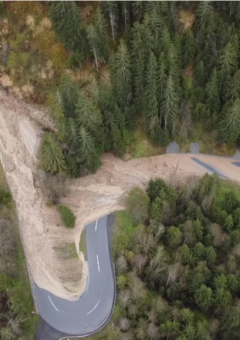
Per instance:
{"type": "Point", "coordinates": [151, 92]}
{"type": "Point", "coordinates": [138, 9]}
{"type": "Point", "coordinates": [204, 11]}
{"type": "Point", "coordinates": [230, 124]}
{"type": "Point", "coordinates": [112, 10]}
{"type": "Point", "coordinates": [52, 158]}
{"type": "Point", "coordinates": [69, 26]}
{"type": "Point", "coordinates": [228, 61]}
{"type": "Point", "coordinates": [88, 114]}
{"type": "Point", "coordinates": [213, 92]}
{"type": "Point", "coordinates": [162, 80]}
{"type": "Point", "coordinates": [68, 96]}
{"type": "Point", "coordinates": [97, 37]}
{"type": "Point", "coordinates": [141, 42]}
{"type": "Point", "coordinates": [93, 43]}
{"type": "Point", "coordinates": [122, 75]}
{"type": "Point", "coordinates": [189, 47]}
{"type": "Point", "coordinates": [170, 106]}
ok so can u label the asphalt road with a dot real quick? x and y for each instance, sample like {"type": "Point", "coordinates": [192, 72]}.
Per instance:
{"type": "Point", "coordinates": [93, 309]}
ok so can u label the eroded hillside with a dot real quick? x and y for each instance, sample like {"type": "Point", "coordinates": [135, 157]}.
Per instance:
{"type": "Point", "coordinates": [89, 197]}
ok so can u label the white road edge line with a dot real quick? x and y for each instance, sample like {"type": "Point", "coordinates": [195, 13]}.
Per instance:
{"type": "Point", "coordinates": [53, 303]}
{"type": "Point", "coordinates": [94, 307]}
{"type": "Point", "coordinates": [98, 263]}
{"type": "Point", "coordinates": [96, 225]}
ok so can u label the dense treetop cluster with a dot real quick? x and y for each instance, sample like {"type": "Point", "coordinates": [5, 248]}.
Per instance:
{"type": "Point", "coordinates": [177, 263]}
{"type": "Point", "coordinates": [172, 75]}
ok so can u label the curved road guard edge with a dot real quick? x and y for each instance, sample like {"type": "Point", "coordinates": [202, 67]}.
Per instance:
{"type": "Point", "coordinates": [94, 308]}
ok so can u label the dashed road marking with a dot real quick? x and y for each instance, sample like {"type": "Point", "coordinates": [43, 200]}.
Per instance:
{"type": "Point", "coordinates": [94, 307]}
{"type": "Point", "coordinates": [96, 225]}
{"type": "Point", "coordinates": [53, 303]}
{"type": "Point", "coordinates": [98, 263]}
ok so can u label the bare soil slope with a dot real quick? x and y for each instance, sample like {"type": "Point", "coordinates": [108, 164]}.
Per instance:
{"type": "Point", "coordinates": [90, 197]}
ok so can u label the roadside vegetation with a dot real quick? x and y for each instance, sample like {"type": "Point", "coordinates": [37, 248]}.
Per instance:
{"type": "Point", "coordinates": [177, 266]}
{"type": "Point", "coordinates": [67, 216]}
{"type": "Point", "coordinates": [125, 77]}
{"type": "Point", "coordinates": [17, 317]}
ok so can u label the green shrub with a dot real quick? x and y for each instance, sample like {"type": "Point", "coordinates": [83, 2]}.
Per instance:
{"type": "Point", "coordinates": [5, 197]}
{"type": "Point", "coordinates": [67, 216]}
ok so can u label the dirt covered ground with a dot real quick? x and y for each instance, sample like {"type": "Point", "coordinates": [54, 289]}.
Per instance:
{"type": "Point", "coordinates": [90, 197]}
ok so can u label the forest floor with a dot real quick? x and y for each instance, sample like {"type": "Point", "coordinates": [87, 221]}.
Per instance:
{"type": "Point", "coordinates": [90, 197]}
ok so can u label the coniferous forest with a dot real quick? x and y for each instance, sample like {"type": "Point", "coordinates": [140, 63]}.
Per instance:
{"type": "Point", "coordinates": [170, 67]}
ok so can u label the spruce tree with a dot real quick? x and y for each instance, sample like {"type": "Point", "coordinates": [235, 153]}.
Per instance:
{"type": "Point", "coordinates": [228, 61]}
{"type": "Point", "coordinates": [69, 26]}
{"type": "Point", "coordinates": [88, 114]}
{"type": "Point", "coordinates": [97, 37]}
{"type": "Point", "coordinates": [140, 51]}
{"type": "Point", "coordinates": [170, 106]}
{"type": "Point", "coordinates": [101, 27]}
{"type": "Point", "coordinates": [52, 158]}
{"type": "Point", "coordinates": [230, 124]}
{"type": "Point", "coordinates": [151, 91]}
{"type": "Point", "coordinates": [213, 92]}
{"type": "Point", "coordinates": [68, 96]}
{"type": "Point", "coordinates": [93, 43]}
{"type": "Point", "coordinates": [162, 79]}
{"type": "Point", "coordinates": [204, 11]}
{"type": "Point", "coordinates": [121, 74]}
{"type": "Point", "coordinates": [126, 11]}
{"type": "Point", "coordinates": [138, 10]}
{"type": "Point", "coordinates": [189, 47]}
{"type": "Point", "coordinates": [112, 10]}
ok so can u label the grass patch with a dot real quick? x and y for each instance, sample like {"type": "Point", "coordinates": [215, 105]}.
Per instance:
{"type": "Point", "coordinates": [122, 232]}
{"type": "Point", "coordinates": [67, 252]}
{"type": "Point", "coordinates": [141, 146]}
{"type": "Point", "coordinates": [209, 142]}
{"type": "Point", "coordinates": [82, 244]}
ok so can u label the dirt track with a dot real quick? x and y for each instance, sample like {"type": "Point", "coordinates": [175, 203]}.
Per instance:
{"type": "Point", "coordinates": [89, 197]}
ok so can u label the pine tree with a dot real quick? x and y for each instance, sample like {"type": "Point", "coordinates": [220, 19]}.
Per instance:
{"type": "Point", "coordinates": [97, 37]}
{"type": "Point", "coordinates": [162, 80]}
{"type": "Point", "coordinates": [213, 91]}
{"type": "Point", "coordinates": [102, 35]}
{"type": "Point", "coordinates": [93, 41]}
{"type": "Point", "coordinates": [170, 106]}
{"type": "Point", "coordinates": [86, 141]}
{"type": "Point", "coordinates": [204, 11]}
{"type": "Point", "coordinates": [72, 135]}
{"type": "Point", "coordinates": [52, 158]}
{"type": "Point", "coordinates": [141, 45]}
{"type": "Point", "coordinates": [126, 11]}
{"type": "Point", "coordinates": [117, 141]}
{"type": "Point", "coordinates": [69, 26]}
{"type": "Point", "coordinates": [232, 89]}
{"type": "Point", "coordinates": [189, 47]}
{"type": "Point", "coordinates": [200, 73]}
{"type": "Point", "coordinates": [228, 61]}
{"type": "Point", "coordinates": [113, 13]}
{"type": "Point", "coordinates": [88, 114]}
{"type": "Point", "coordinates": [230, 124]}
{"type": "Point", "coordinates": [138, 9]}
{"type": "Point", "coordinates": [122, 75]}
{"type": "Point", "coordinates": [67, 96]}
{"type": "Point", "coordinates": [151, 95]}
